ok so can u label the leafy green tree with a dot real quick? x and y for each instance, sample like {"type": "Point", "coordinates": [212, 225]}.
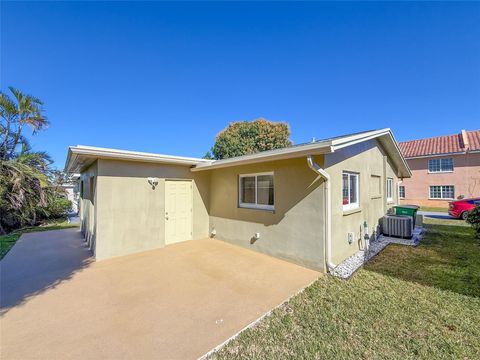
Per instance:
{"type": "Point", "coordinates": [21, 191]}
{"type": "Point", "coordinates": [249, 137]}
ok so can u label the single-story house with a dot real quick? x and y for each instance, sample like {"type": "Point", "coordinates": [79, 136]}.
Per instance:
{"type": "Point", "coordinates": [312, 204]}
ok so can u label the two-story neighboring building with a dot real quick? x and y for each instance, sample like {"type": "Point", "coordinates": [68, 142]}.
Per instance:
{"type": "Point", "coordinates": [443, 168]}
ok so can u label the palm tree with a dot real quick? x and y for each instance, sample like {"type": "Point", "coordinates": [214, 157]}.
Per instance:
{"type": "Point", "coordinates": [15, 114]}
{"type": "Point", "coordinates": [23, 173]}
{"type": "Point", "coordinates": [24, 181]}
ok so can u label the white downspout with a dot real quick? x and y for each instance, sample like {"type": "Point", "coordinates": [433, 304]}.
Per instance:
{"type": "Point", "coordinates": [328, 211]}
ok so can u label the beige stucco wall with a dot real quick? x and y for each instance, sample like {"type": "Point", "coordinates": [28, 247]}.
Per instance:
{"type": "Point", "coordinates": [367, 159]}
{"type": "Point", "coordinates": [465, 178]}
{"type": "Point", "coordinates": [131, 215]}
{"type": "Point", "coordinates": [87, 204]}
{"type": "Point", "coordinates": [128, 216]}
{"type": "Point", "coordinates": [294, 231]}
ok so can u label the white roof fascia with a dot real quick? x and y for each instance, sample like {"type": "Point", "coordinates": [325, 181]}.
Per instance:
{"type": "Point", "coordinates": [404, 161]}
{"type": "Point", "coordinates": [322, 147]}
{"type": "Point", "coordinates": [355, 139]}
{"type": "Point", "coordinates": [316, 148]}
{"type": "Point", "coordinates": [104, 153]}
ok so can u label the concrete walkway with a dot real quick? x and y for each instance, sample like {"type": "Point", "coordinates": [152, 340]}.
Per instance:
{"type": "Point", "coordinates": [173, 303]}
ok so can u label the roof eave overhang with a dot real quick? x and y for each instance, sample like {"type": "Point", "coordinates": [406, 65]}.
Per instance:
{"type": "Point", "coordinates": [274, 155]}
{"type": "Point", "coordinates": [319, 148]}
{"type": "Point", "coordinates": [352, 140]}
{"type": "Point", "coordinates": [79, 158]}
{"type": "Point", "coordinates": [403, 170]}
{"type": "Point", "coordinates": [403, 167]}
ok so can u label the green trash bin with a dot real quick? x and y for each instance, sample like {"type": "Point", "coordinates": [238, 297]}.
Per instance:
{"type": "Point", "coordinates": [410, 210]}
{"type": "Point", "coordinates": [407, 210]}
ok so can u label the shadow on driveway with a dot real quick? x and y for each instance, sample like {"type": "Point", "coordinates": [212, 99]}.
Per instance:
{"type": "Point", "coordinates": [40, 261]}
{"type": "Point", "coordinates": [177, 302]}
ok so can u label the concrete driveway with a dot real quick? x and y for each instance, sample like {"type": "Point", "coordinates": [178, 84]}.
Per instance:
{"type": "Point", "coordinates": [435, 214]}
{"type": "Point", "coordinates": [173, 303]}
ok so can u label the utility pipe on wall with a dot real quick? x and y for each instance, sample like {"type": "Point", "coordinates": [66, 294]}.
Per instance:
{"type": "Point", "coordinates": [328, 211]}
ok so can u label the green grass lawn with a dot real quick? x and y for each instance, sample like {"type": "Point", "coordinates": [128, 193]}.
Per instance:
{"type": "Point", "coordinates": [7, 241]}
{"type": "Point", "coordinates": [430, 208]}
{"type": "Point", "coordinates": [407, 303]}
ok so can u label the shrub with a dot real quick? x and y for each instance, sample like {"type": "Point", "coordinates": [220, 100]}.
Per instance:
{"type": "Point", "coordinates": [57, 207]}
{"type": "Point", "coordinates": [474, 220]}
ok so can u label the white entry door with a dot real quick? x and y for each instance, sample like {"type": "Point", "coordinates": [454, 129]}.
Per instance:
{"type": "Point", "coordinates": [178, 211]}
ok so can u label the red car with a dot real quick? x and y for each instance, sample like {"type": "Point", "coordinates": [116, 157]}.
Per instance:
{"type": "Point", "coordinates": [459, 209]}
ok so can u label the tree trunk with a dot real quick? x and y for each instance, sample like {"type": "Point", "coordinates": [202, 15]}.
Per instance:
{"type": "Point", "coordinates": [2, 230]}
{"type": "Point", "coordinates": [34, 219]}
{"type": "Point", "coordinates": [5, 141]}
{"type": "Point", "coordinates": [16, 140]}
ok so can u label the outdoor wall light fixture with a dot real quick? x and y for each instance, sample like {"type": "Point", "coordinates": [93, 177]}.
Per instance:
{"type": "Point", "coordinates": [153, 181]}
{"type": "Point", "coordinates": [254, 238]}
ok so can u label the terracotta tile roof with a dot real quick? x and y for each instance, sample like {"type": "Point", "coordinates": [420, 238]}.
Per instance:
{"type": "Point", "coordinates": [474, 139]}
{"type": "Point", "coordinates": [442, 144]}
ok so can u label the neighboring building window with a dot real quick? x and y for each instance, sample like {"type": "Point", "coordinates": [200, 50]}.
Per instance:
{"type": "Point", "coordinates": [442, 192]}
{"type": "Point", "coordinates": [81, 189]}
{"type": "Point", "coordinates": [350, 191]}
{"type": "Point", "coordinates": [256, 191]}
{"type": "Point", "coordinates": [401, 191]}
{"type": "Point", "coordinates": [389, 189]}
{"type": "Point", "coordinates": [440, 165]}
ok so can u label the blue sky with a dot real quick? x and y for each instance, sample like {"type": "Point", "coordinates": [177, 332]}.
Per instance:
{"type": "Point", "coordinates": [167, 77]}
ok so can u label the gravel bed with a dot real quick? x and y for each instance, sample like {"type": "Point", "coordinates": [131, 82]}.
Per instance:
{"type": "Point", "coordinates": [346, 269]}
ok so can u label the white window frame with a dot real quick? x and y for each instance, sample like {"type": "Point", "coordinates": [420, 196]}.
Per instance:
{"type": "Point", "coordinates": [355, 205]}
{"type": "Point", "coordinates": [255, 205]}
{"type": "Point", "coordinates": [440, 166]}
{"type": "Point", "coordinates": [441, 193]}
{"type": "Point", "coordinates": [400, 191]}
{"type": "Point", "coordinates": [389, 189]}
